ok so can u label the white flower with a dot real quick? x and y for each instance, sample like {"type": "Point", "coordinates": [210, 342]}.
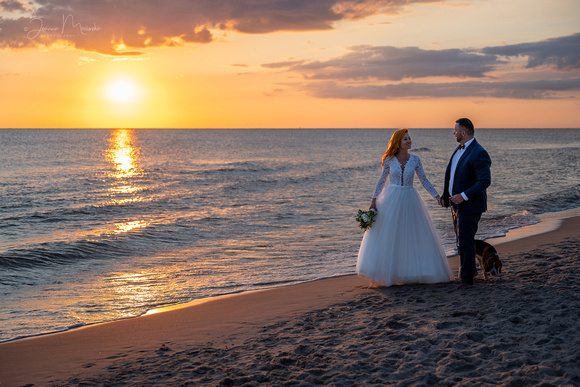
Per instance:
{"type": "Point", "coordinates": [365, 219]}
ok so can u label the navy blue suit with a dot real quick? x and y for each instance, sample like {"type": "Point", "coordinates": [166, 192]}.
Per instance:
{"type": "Point", "coordinates": [472, 177]}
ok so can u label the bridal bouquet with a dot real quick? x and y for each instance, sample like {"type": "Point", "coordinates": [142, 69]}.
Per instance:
{"type": "Point", "coordinates": [365, 219]}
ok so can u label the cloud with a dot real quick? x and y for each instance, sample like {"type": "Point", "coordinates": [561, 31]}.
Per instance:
{"type": "Point", "coordinates": [541, 89]}
{"type": "Point", "coordinates": [360, 9]}
{"type": "Point", "coordinates": [85, 60]}
{"type": "Point", "coordinates": [15, 6]}
{"type": "Point", "coordinates": [562, 52]}
{"type": "Point", "coordinates": [395, 64]}
{"type": "Point", "coordinates": [386, 72]}
{"type": "Point", "coordinates": [287, 64]}
{"type": "Point", "coordinates": [124, 27]}
{"type": "Point", "coordinates": [104, 26]}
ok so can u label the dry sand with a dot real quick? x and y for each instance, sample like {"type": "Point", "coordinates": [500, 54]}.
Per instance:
{"type": "Point", "coordinates": [517, 330]}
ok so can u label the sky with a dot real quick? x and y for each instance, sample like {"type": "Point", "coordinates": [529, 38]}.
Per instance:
{"type": "Point", "coordinates": [289, 63]}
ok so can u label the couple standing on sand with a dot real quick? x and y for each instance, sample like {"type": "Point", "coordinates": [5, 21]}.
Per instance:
{"type": "Point", "coordinates": [402, 247]}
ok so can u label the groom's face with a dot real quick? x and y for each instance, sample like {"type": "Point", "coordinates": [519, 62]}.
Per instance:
{"type": "Point", "coordinates": [459, 133]}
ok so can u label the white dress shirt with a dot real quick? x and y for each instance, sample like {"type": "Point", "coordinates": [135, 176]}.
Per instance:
{"type": "Point", "coordinates": [454, 163]}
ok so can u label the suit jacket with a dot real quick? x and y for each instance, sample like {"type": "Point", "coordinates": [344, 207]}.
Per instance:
{"type": "Point", "coordinates": [472, 176]}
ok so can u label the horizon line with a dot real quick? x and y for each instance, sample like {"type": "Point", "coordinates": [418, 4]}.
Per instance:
{"type": "Point", "coordinates": [276, 128]}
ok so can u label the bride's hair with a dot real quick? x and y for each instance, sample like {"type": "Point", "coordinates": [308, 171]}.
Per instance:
{"type": "Point", "coordinates": [394, 144]}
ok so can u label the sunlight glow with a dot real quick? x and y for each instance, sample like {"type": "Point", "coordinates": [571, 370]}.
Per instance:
{"type": "Point", "coordinates": [123, 91]}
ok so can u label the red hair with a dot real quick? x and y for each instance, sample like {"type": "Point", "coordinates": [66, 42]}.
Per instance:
{"type": "Point", "coordinates": [394, 144]}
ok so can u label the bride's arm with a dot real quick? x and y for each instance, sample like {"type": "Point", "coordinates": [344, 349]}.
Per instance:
{"type": "Point", "coordinates": [424, 181]}
{"type": "Point", "coordinates": [380, 185]}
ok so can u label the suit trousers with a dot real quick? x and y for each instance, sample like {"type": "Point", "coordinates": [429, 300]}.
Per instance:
{"type": "Point", "coordinates": [465, 228]}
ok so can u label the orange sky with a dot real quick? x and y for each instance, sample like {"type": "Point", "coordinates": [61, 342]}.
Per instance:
{"type": "Point", "coordinates": [284, 64]}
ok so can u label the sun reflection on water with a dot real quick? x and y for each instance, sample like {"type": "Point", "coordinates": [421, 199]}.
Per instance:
{"type": "Point", "coordinates": [128, 226]}
{"type": "Point", "coordinates": [132, 290]}
{"type": "Point", "coordinates": [123, 154]}
{"type": "Point", "coordinates": [126, 189]}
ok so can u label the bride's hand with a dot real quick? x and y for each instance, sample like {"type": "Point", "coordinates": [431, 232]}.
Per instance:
{"type": "Point", "coordinates": [439, 200]}
{"type": "Point", "coordinates": [373, 205]}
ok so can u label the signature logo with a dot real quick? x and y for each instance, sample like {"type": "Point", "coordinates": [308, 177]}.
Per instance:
{"type": "Point", "coordinates": [68, 28]}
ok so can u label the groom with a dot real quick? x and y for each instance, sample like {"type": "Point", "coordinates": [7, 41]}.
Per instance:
{"type": "Point", "coordinates": [466, 179]}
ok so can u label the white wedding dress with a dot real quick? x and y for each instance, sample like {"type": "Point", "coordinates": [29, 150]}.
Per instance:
{"type": "Point", "coordinates": [402, 246]}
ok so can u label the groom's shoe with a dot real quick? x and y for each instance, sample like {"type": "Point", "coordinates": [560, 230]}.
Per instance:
{"type": "Point", "coordinates": [465, 286]}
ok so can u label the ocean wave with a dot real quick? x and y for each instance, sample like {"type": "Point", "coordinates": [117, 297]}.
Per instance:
{"type": "Point", "coordinates": [558, 200]}
{"type": "Point", "coordinates": [116, 242]}
{"type": "Point", "coordinates": [307, 175]}
{"type": "Point", "coordinates": [60, 253]}
{"type": "Point", "coordinates": [67, 214]}
{"type": "Point", "coordinates": [244, 167]}
{"type": "Point", "coordinates": [498, 227]}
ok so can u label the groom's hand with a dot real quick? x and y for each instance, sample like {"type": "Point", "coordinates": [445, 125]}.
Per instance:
{"type": "Point", "coordinates": [457, 199]}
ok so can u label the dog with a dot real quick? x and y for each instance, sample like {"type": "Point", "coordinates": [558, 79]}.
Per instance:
{"type": "Point", "coordinates": [488, 259]}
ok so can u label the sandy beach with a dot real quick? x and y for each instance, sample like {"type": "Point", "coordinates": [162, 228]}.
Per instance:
{"type": "Point", "coordinates": [517, 330]}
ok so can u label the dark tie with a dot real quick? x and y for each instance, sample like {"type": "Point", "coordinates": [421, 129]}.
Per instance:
{"type": "Point", "coordinates": [461, 146]}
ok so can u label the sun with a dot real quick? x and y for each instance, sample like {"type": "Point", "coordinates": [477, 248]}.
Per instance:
{"type": "Point", "coordinates": [123, 91]}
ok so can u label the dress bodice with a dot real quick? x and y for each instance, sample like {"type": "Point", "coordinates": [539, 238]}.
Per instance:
{"type": "Point", "coordinates": [403, 175]}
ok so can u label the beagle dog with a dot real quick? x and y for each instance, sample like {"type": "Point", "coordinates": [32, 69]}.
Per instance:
{"type": "Point", "coordinates": [488, 258]}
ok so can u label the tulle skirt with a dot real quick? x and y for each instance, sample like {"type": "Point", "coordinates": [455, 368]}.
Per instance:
{"type": "Point", "coordinates": [402, 246]}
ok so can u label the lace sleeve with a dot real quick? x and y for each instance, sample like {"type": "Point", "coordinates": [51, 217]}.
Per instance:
{"type": "Point", "coordinates": [423, 179]}
{"type": "Point", "coordinates": [382, 180]}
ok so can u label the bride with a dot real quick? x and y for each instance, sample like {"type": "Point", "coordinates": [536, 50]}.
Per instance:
{"type": "Point", "coordinates": [402, 246]}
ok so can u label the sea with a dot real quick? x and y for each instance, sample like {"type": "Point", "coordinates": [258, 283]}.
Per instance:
{"type": "Point", "coordinates": [102, 225]}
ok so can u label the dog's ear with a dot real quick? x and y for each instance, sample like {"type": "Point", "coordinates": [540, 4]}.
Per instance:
{"type": "Point", "coordinates": [489, 265]}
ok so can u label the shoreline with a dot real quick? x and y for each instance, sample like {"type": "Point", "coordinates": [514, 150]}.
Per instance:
{"type": "Point", "coordinates": [228, 320]}
{"type": "Point", "coordinates": [549, 221]}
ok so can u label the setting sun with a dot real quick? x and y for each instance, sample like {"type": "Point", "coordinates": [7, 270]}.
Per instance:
{"type": "Point", "coordinates": [122, 91]}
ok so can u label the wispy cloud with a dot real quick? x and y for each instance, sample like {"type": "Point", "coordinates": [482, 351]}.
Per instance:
{"type": "Point", "coordinates": [291, 64]}
{"type": "Point", "coordinates": [562, 52]}
{"type": "Point", "coordinates": [395, 64]}
{"type": "Point", "coordinates": [123, 27]}
{"type": "Point", "coordinates": [541, 89]}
